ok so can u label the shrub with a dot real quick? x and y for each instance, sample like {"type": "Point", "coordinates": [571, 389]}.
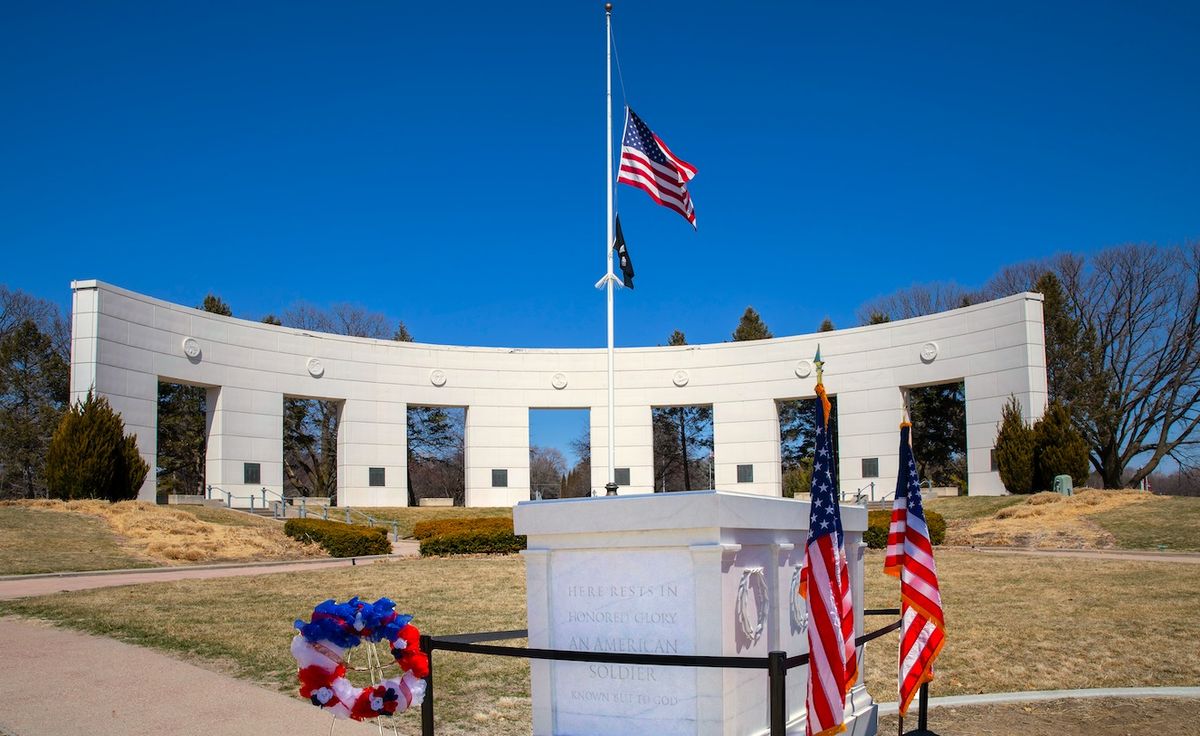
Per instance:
{"type": "Point", "coordinates": [495, 537]}
{"type": "Point", "coordinates": [880, 520]}
{"type": "Point", "coordinates": [340, 540]}
{"type": "Point", "coordinates": [1015, 450]}
{"type": "Point", "coordinates": [437, 527]}
{"type": "Point", "coordinates": [1058, 449]}
{"type": "Point", "coordinates": [91, 457]}
{"type": "Point", "coordinates": [466, 543]}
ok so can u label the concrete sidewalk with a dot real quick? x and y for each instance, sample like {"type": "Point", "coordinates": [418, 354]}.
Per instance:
{"type": "Point", "coordinates": [62, 683]}
{"type": "Point", "coordinates": [22, 586]}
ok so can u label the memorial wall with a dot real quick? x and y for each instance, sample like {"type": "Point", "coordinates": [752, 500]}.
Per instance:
{"type": "Point", "coordinates": [124, 343]}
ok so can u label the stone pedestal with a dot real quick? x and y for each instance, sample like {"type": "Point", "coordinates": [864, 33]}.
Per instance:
{"type": "Point", "coordinates": [708, 573]}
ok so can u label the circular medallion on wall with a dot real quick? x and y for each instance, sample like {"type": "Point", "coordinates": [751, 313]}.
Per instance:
{"type": "Point", "coordinates": [680, 378]}
{"type": "Point", "coordinates": [559, 380]}
{"type": "Point", "coordinates": [929, 351]}
{"type": "Point", "coordinates": [316, 368]}
{"type": "Point", "coordinates": [191, 348]}
{"type": "Point", "coordinates": [804, 368]}
{"type": "Point", "coordinates": [437, 377]}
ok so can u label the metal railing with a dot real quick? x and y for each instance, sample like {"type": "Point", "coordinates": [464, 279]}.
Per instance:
{"type": "Point", "coordinates": [776, 663]}
{"type": "Point", "coordinates": [278, 506]}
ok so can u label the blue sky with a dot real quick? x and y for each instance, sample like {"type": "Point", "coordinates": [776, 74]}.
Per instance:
{"type": "Point", "coordinates": [443, 162]}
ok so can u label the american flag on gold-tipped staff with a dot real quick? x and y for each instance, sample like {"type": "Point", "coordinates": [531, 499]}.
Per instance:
{"type": "Point", "coordinates": [825, 585]}
{"type": "Point", "coordinates": [647, 163]}
{"type": "Point", "coordinates": [910, 558]}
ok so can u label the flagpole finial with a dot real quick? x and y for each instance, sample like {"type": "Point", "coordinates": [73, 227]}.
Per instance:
{"type": "Point", "coordinates": [608, 7]}
{"type": "Point", "coordinates": [820, 364]}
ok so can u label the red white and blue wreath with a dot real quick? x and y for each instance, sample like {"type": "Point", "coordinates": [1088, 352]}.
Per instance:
{"type": "Point", "coordinates": [336, 628]}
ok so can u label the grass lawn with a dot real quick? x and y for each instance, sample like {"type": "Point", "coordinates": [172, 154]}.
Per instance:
{"type": "Point", "coordinates": [1014, 623]}
{"type": "Point", "coordinates": [1091, 717]}
{"type": "Point", "coordinates": [45, 536]}
{"type": "Point", "coordinates": [1167, 522]}
{"type": "Point", "coordinates": [408, 516]}
{"type": "Point", "coordinates": [33, 541]}
{"type": "Point", "coordinates": [954, 508]}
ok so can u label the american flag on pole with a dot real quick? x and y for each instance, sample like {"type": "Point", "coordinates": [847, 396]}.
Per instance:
{"type": "Point", "coordinates": [647, 163]}
{"type": "Point", "coordinates": [910, 558]}
{"type": "Point", "coordinates": [825, 585]}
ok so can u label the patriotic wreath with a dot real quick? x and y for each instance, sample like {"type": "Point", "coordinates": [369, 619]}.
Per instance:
{"type": "Point", "coordinates": [336, 628]}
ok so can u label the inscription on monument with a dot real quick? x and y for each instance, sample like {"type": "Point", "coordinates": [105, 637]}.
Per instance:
{"type": "Point", "coordinates": [636, 602]}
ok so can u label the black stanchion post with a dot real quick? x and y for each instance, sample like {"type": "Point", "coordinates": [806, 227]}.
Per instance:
{"type": "Point", "coordinates": [923, 714]}
{"type": "Point", "coordinates": [777, 681]}
{"type": "Point", "coordinates": [427, 703]}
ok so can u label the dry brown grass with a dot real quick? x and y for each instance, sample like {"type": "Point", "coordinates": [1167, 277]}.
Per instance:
{"type": "Point", "coordinates": [1047, 520]}
{"type": "Point", "coordinates": [1091, 717]}
{"type": "Point", "coordinates": [1014, 623]}
{"type": "Point", "coordinates": [171, 535]}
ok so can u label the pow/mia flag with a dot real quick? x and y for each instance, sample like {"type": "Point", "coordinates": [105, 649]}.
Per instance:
{"type": "Point", "coordinates": [623, 256]}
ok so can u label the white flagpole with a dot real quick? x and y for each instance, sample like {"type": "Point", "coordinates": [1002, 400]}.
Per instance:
{"type": "Point", "coordinates": [611, 486]}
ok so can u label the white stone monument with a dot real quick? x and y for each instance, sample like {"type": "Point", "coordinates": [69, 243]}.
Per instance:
{"type": "Point", "coordinates": [706, 573]}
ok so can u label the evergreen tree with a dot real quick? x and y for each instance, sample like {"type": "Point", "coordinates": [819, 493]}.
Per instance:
{"type": "Point", "coordinates": [1014, 449]}
{"type": "Point", "coordinates": [1058, 449]}
{"type": "Point", "coordinates": [91, 457]}
{"type": "Point", "coordinates": [826, 326]}
{"type": "Point", "coordinates": [33, 392]}
{"type": "Point", "coordinates": [215, 305]}
{"type": "Point", "coordinates": [751, 327]}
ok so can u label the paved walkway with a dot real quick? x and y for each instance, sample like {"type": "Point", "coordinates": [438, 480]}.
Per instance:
{"type": "Point", "coordinates": [70, 684]}
{"type": "Point", "coordinates": [21, 586]}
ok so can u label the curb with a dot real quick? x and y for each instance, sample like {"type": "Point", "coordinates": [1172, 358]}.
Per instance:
{"type": "Point", "coordinates": [218, 566]}
{"type": "Point", "coordinates": [1034, 696]}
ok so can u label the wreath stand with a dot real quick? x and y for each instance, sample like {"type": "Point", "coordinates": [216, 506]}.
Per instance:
{"type": "Point", "coordinates": [374, 667]}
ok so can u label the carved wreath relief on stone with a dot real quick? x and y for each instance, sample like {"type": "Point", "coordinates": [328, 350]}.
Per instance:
{"type": "Point", "coordinates": [752, 590]}
{"type": "Point", "coordinates": [797, 610]}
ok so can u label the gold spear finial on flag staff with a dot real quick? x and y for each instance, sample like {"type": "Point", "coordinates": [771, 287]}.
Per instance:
{"type": "Point", "coordinates": [826, 406]}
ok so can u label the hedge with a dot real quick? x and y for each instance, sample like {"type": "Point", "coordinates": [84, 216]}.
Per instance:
{"type": "Point", "coordinates": [438, 527]}
{"type": "Point", "coordinates": [879, 520]}
{"type": "Point", "coordinates": [495, 537]}
{"type": "Point", "coordinates": [340, 540]}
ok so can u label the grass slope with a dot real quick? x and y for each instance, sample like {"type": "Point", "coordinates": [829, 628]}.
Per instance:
{"type": "Point", "coordinates": [408, 516]}
{"type": "Point", "coordinates": [38, 541]}
{"type": "Point", "coordinates": [1014, 623]}
{"type": "Point", "coordinates": [1168, 522]}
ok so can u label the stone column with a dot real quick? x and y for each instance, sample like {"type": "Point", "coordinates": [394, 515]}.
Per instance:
{"type": "Point", "coordinates": [497, 438]}
{"type": "Point", "coordinates": [747, 433]}
{"type": "Point", "coordinates": [244, 426]}
{"type": "Point", "coordinates": [372, 434]}
{"type": "Point", "coordinates": [635, 448]}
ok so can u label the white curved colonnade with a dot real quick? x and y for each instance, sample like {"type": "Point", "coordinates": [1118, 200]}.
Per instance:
{"type": "Point", "coordinates": [124, 343]}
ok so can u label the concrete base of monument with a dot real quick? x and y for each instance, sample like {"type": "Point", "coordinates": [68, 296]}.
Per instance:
{"type": "Point", "coordinates": [702, 573]}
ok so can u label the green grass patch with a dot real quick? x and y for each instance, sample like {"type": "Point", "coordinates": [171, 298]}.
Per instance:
{"type": "Point", "coordinates": [955, 508]}
{"type": "Point", "coordinates": [1166, 522]}
{"type": "Point", "coordinates": [35, 541]}
{"type": "Point", "coordinates": [408, 517]}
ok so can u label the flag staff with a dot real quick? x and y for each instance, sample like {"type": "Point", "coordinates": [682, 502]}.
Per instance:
{"type": "Point", "coordinates": [609, 278]}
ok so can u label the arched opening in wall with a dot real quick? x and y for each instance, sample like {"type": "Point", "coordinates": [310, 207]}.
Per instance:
{"type": "Point", "coordinates": [560, 453]}
{"type": "Point", "coordinates": [683, 447]}
{"type": "Point", "coordinates": [436, 453]}
{"type": "Point", "coordinates": [939, 433]}
{"type": "Point", "coordinates": [797, 436]}
{"type": "Point", "coordinates": [310, 433]}
{"type": "Point", "coordinates": [182, 439]}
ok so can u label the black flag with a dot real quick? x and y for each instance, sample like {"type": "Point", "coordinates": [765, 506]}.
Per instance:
{"type": "Point", "coordinates": [623, 255]}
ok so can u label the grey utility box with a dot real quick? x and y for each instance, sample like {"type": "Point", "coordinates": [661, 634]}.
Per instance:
{"type": "Point", "coordinates": [1062, 485]}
